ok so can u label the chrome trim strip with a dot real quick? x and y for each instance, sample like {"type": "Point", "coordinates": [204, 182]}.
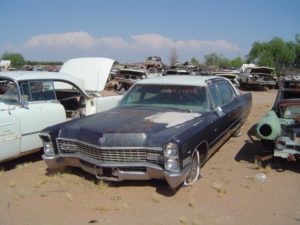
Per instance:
{"type": "Point", "coordinates": [31, 133]}
{"type": "Point", "coordinates": [158, 149]}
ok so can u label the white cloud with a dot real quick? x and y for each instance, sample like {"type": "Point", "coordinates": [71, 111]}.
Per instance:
{"type": "Point", "coordinates": [152, 41]}
{"type": "Point", "coordinates": [62, 46]}
{"type": "Point", "coordinates": [83, 40]}
{"type": "Point", "coordinates": [157, 41]}
{"type": "Point", "coordinates": [80, 40]}
{"type": "Point", "coordinates": [63, 40]}
{"type": "Point", "coordinates": [113, 43]}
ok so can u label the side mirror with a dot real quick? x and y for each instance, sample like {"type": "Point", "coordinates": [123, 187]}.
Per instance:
{"type": "Point", "coordinates": [24, 104]}
{"type": "Point", "coordinates": [219, 111]}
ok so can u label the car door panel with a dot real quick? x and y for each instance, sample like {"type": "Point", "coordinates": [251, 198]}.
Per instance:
{"type": "Point", "coordinates": [37, 117]}
{"type": "Point", "coordinates": [10, 134]}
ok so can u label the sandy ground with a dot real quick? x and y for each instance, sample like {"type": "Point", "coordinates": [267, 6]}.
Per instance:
{"type": "Point", "coordinates": [232, 190]}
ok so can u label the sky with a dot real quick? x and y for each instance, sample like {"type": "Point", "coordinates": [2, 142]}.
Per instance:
{"type": "Point", "coordinates": [131, 30]}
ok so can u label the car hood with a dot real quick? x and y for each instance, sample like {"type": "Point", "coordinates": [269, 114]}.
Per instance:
{"type": "Point", "coordinates": [94, 72]}
{"type": "Point", "coordinates": [3, 106]}
{"type": "Point", "coordinates": [130, 127]}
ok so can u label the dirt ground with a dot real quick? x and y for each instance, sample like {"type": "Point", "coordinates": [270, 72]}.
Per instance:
{"type": "Point", "coordinates": [232, 190]}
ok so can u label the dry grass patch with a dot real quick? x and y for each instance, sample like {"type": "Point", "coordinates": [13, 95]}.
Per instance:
{"type": "Point", "coordinates": [24, 165]}
{"type": "Point", "coordinates": [69, 196]}
{"type": "Point", "coordinates": [1, 172]}
{"type": "Point", "coordinates": [155, 198]}
{"type": "Point", "coordinates": [183, 220]}
{"type": "Point", "coordinates": [218, 187]}
{"type": "Point", "coordinates": [102, 186]}
{"type": "Point", "coordinates": [12, 184]}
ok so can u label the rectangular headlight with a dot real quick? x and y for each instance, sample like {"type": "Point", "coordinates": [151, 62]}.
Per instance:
{"type": "Point", "coordinates": [47, 144]}
{"type": "Point", "coordinates": [171, 155]}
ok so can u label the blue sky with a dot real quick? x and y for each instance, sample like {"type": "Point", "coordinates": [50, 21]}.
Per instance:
{"type": "Point", "coordinates": [131, 30]}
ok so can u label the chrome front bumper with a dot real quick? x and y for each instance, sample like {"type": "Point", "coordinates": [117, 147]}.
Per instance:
{"type": "Point", "coordinates": [118, 171]}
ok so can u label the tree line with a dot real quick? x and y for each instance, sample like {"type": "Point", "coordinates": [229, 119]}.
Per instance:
{"type": "Point", "coordinates": [284, 56]}
{"type": "Point", "coordinates": [281, 55]}
{"type": "Point", "coordinates": [18, 61]}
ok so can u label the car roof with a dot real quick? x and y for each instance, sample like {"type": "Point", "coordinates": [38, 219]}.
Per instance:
{"type": "Point", "coordinates": [181, 80]}
{"type": "Point", "coordinates": [42, 75]}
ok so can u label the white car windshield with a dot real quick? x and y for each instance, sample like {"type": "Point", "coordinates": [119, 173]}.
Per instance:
{"type": "Point", "coordinates": [179, 97]}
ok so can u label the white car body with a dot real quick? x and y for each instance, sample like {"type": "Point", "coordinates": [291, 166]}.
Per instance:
{"type": "Point", "coordinates": [23, 115]}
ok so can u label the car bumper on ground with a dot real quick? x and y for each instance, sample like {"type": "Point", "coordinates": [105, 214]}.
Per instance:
{"type": "Point", "coordinates": [290, 150]}
{"type": "Point", "coordinates": [118, 171]}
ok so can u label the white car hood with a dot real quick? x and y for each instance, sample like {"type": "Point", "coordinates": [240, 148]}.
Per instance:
{"type": "Point", "coordinates": [93, 71]}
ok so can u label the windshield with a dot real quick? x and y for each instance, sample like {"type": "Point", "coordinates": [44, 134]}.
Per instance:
{"type": "Point", "coordinates": [291, 112]}
{"type": "Point", "coordinates": [192, 98]}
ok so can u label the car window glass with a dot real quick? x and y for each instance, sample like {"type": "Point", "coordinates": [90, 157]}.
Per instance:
{"type": "Point", "coordinates": [41, 90]}
{"type": "Point", "coordinates": [179, 97]}
{"type": "Point", "coordinates": [25, 91]}
{"type": "Point", "coordinates": [215, 96]}
{"type": "Point", "coordinates": [8, 92]}
{"type": "Point", "coordinates": [225, 91]}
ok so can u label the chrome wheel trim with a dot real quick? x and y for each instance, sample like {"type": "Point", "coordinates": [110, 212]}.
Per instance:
{"type": "Point", "coordinates": [195, 169]}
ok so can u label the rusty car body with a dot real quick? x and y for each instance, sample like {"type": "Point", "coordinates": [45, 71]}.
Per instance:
{"type": "Point", "coordinates": [279, 129]}
{"type": "Point", "coordinates": [257, 77]}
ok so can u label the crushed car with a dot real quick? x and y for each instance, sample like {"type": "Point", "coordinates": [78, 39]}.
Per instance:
{"type": "Point", "coordinates": [257, 77]}
{"type": "Point", "coordinates": [279, 129]}
{"type": "Point", "coordinates": [33, 100]}
{"type": "Point", "coordinates": [163, 128]}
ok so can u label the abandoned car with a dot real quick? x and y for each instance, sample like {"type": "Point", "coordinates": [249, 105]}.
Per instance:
{"type": "Point", "coordinates": [231, 75]}
{"type": "Point", "coordinates": [128, 75]}
{"type": "Point", "coordinates": [33, 100]}
{"type": "Point", "coordinates": [163, 128]}
{"type": "Point", "coordinates": [154, 62]}
{"type": "Point", "coordinates": [176, 71]}
{"type": "Point", "coordinates": [257, 77]}
{"type": "Point", "coordinates": [279, 129]}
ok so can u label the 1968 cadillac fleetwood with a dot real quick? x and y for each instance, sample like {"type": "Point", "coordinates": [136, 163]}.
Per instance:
{"type": "Point", "coordinates": [31, 101]}
{"type": "Point", "coordinates": [163, 128]}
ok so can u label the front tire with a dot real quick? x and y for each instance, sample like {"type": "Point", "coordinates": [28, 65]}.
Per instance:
{"type": "Point", "coordinates": [195, 169]}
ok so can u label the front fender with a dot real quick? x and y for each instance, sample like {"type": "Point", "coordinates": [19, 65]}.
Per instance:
{"type": "Point", "coordinates": [268, 127]}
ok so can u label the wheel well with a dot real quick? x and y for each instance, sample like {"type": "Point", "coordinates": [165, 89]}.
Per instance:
{"type": "Point", "coordinates": [202, 148]}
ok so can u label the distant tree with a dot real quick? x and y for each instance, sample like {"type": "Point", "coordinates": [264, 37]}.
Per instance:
{"type": "Point", "coordinates": [32, 63]}
{"type": "Point", "coordinates": [16, 59]}
{"type": "Point", "coordinates": [276, 53]}
{"type": "Point", "coordinates": [296, 48]}
{"type": "Point", "coordinates": [236, 62]}
{"type": "Point", "coordinates": [214, 59]}
{"type": "Point", "coordinates": [195, 62]}
{"type": "Point", "coordinates": [173, 56]}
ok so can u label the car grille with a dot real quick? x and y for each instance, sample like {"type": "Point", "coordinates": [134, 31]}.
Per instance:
{"type": "Point", "coordinates": [109, 155]}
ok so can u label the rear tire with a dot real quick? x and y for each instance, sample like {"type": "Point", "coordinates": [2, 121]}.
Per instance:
{"type": "Point", "coordinates": [195, 169]}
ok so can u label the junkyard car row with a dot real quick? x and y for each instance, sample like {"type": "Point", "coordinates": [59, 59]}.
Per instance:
{"type": "Point", "coordinates": [164, 127]}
